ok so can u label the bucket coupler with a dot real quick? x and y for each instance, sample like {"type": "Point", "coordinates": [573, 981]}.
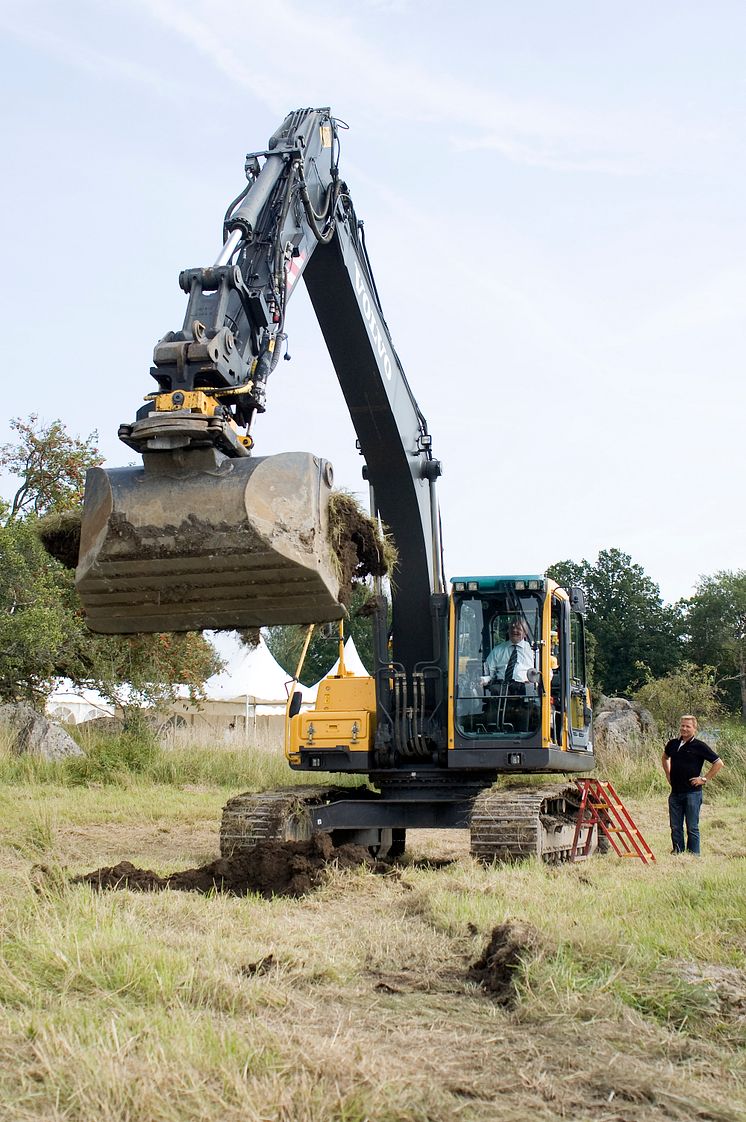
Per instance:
{"type": "Point", "coordinates": [195, 539]}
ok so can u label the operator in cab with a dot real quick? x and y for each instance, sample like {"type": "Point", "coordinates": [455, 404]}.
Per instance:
{"type": "Point", "coordinates": [511, 661]}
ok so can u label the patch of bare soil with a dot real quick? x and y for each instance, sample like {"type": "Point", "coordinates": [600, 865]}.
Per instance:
{"type": "Point", "coordinates": [727, 985]}
{"type": "Point", "coordinates": [509, 945]}
{"type": "Point", "coordinates": [272, 868]}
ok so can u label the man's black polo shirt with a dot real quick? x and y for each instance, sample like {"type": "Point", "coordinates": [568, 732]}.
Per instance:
{"type": "Point", "coordinates": [687, 761]}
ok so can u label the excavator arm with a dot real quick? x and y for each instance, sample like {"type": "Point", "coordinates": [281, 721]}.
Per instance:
{"type": "Point", "coordinates": [234, 323]}
{"type": "Point", "coordinates": [207, 534]}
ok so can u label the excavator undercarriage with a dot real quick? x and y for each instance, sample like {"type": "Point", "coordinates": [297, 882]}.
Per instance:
{"type": "Point", "coordinates": [505, 824]}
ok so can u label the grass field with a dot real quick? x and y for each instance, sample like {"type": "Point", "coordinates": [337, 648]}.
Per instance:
{"type": "Point", "coordinates": [356, 1003]}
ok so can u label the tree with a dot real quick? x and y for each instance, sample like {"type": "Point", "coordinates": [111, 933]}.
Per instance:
{"type": "Point", "coordinates": [39, 631]}
{"type": "Point", "coordinates": [687, 689]}
{"type": "Point", "coordinates": [286, 642]}
{"type": "Point", "coordinates": [637, 636]}
{"type": "Point", "coordinates": [143, 671]}
{"type": "Point", "coordinates": [716, 624]}
{"type": "Point", "coordinates": [49, 465]}
{"type": "Point", "coordinates": [43, 635]}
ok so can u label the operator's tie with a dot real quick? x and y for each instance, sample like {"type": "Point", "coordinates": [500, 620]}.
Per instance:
{"type": "Point", "coordinates": [511, 664]}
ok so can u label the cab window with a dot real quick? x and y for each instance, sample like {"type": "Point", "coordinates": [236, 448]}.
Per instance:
{"type": "Point", "coordinates": [496, 696]}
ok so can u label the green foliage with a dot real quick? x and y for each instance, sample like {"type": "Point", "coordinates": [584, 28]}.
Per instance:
{"type": "Point", "coordinates": [637, 636]}
{"type": "Point", "coordinates": [130, 759]}
{"type": "Point", "coordinates": [40, 631]}
{"type": "Point", "coordinates": [286, 643]}
{"type": "Point", "coordinates": [108, 759]}
{"type": "Point", "coordinates": [134, 671]}
{"type": "Point", "coordinates": [687, 689]}
{"type": "Point", "coordinates": [49, 464]}
{"type": "Point", "coordinates": [43, 635]}
{"type": "Point", "coordinates": [716, 622]}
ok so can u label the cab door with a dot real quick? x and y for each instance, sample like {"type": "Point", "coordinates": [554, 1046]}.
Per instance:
{"type": "Point", "coordinates": [559, 699]}
{"type": "Point", "coordinates": [580, 708]}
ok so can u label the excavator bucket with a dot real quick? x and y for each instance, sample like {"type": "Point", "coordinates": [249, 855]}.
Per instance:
{"type": "Point", "coordinates": [196, 540]}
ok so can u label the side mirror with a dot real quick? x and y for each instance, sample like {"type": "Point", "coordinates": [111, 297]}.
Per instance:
{"type": "Point", "coordinates": [295, 703]}
{"type": "Point", "coordinates": [577, 600]}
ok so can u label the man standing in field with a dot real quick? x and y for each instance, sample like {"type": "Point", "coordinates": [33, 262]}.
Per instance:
{"type": "Point", "coordinates": [682, 761]}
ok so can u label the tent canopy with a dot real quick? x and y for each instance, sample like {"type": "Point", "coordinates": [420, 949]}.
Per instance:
{"type": "Point", "coordinates": [254, 672]}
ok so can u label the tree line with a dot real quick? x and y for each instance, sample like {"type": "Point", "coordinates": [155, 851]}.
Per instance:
{"type": "Point", "coordinates": [635, 639]}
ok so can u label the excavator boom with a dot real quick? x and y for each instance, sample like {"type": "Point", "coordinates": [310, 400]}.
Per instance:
{"type": "Point", "coordinates": [205, 534]}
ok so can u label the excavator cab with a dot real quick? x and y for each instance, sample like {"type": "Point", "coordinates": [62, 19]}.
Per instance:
{"type": "Point", "coordinates": [519, 691]}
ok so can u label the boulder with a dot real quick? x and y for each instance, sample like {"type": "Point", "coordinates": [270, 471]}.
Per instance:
{"type": "Point", "coordinates": [33, 734]}
{"type": "Point", "coordinates": [619, 723]}
{"type": "Point", "coordinates": [107, 725]}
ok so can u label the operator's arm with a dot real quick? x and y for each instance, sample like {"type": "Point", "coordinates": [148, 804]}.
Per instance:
{"type": "Point", "coordinates": [491, 664]}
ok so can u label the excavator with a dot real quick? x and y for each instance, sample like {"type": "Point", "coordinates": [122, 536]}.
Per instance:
{"type": "Point", "coordinates": [206, 534]}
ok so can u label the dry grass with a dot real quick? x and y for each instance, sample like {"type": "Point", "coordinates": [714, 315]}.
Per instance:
{"type": "Point", "coordinates": [377, 549]}
{"type": "Point", "coordinates": [138, 1007]}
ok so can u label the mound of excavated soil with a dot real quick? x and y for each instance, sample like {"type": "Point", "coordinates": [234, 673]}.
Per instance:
{"type": "Point", "coordinates": [272, 868]}
{"type": "Point", "coordinates": [509, 945]}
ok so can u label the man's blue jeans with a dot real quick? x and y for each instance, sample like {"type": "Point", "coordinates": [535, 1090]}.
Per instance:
{"type": "Point", "coordinates": [685, 807]}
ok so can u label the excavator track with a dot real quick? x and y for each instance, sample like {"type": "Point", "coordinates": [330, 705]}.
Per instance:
{"type": "Point", "coordinates": [514, 823]}
{"type": "Point", "coordinates": [281, 815]}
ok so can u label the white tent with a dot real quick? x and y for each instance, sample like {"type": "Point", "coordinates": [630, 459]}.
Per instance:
{"type": "Point", "coordinates": [353, 662]}
{"type": "Point", "coordinates": [251, 673]}
{"type": "Point", "coordinates": [255, 674]}
{"type": "Point", "coordinates": [67, 703]}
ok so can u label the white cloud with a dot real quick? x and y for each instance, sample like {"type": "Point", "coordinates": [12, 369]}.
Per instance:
{"type": "Point", "coordinates": [287, 53]}
{"type": "Point", "coordinates": [284, 52]}
{"type": "Point", "coordinates": [32, 27]}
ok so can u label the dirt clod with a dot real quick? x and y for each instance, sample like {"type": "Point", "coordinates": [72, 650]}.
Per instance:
{"type": "Point", "coordinates": [272, 868]}
{"type": "Point", "coordinates": [357, 543]}
{"type": "Point", "coordinates": [510, 944]}
{"type": "Point", "coordinates": [249, 637]}
{"type": "Point", "coordinates": [261, 966]}
{"type": "Point", "coordinates": [726, 984]}
{"type": "Point", "coordinates": [59, 533]}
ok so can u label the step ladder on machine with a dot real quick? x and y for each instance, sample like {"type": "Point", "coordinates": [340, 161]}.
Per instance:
{"type": "Point", "coordinates": [601, 806]}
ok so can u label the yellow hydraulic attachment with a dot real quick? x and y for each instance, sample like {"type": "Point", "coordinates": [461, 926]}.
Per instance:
{"type": "Point", "coordinates": [199, 402]}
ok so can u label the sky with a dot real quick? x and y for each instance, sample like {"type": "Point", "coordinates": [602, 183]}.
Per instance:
{"type": "Point", "coordinates": [553, 206]}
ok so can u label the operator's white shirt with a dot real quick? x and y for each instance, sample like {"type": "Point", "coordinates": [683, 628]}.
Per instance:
{"type": "Point", "coordinates": [497, 660]}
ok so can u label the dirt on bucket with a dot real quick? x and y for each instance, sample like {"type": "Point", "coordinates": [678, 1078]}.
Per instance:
{"type": "Point", "coordinates": [59, 533]}
{"type": "Point", "coordinates": [509, 945]}
{"type": "Point", "coordinates": [272, 868]}
{"type": "Point", "coordinates": [359, 547]}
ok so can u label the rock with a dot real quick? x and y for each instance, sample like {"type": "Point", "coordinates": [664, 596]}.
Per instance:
{"type": "Point", "coordinates": [105, 726]}
{"type": "Point", "coordinates": [619, 723]}
{"type": "Point", "coordinates": [34, 735]}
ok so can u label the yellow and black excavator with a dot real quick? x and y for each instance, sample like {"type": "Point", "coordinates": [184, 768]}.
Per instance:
{"type": "Point", "coordinates": [482, 680]}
